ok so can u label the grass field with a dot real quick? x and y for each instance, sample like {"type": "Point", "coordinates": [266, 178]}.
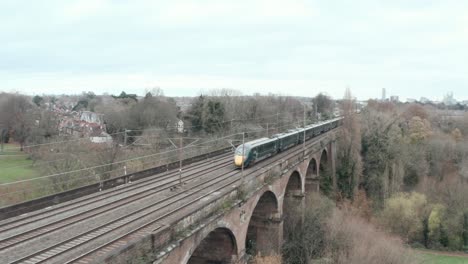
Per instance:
{"type": "Point", "coordinates": [440, 258]}
{"type": "Point", "coordinates": [14, 165]}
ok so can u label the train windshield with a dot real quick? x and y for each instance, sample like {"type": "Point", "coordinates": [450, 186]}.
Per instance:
{"type": "Point", "coordinates": [239, 150]}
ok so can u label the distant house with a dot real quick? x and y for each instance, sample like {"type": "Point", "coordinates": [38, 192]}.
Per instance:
{"type": "Point", "coordinates": [85, 124]}
{"type": "Point", "coordinates": [91, 117]}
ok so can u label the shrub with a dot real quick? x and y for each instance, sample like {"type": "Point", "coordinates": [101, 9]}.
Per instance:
{"type": "Point", "coordinates": [352, 240]}
{"type": "Point", "coordinates": [403, 215]}
{"type": "Point", "coordinates": [305, 230]}
{"type": "Point", "coordinates": [437, 232]}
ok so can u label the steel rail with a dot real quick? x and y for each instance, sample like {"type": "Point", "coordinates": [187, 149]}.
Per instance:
{"type": "Point", "coordinates": [114, 224]}
{"type": "Point", "coordinates": [92, 212]}
{"type": "Point", "coordinates": [14, 222]}
{"type": "Point", "coordinates": [61, 248]}
{"type": "Point", "coordinates": [237, 178]}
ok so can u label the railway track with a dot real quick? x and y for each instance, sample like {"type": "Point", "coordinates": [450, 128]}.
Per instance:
{"type": "Point", "coordinates": [28, 218]}
{"type": "Point", "coordinates": [218, 178]}
{"type": "Point", "coordinates": [90, 213]}
{"type": "Point", "coordinates": [119, 223]}
{"type": "Point", "coordinates": [123, 239]}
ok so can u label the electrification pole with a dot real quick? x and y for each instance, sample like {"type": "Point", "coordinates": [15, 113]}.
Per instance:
{"type": "Point", "coordinates": [277, 122]}
{"type": "Point", "coordinates": [243, 158]}
{"type": "Point", "coordinates": [304, 143]}
{"type": "Point", "coordinates": [125, 137]}
{"type": "Point", "coordinates": [180, 161]}
{"type": "Point", "coordinates": [3, 139]}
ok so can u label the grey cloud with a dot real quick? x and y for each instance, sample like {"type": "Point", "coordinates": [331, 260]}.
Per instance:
{"type": "Point", "coordinates": [414, 49]}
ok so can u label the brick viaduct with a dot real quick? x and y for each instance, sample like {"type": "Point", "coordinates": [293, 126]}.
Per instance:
{"type": "Point", "coordinates": [249, 219]}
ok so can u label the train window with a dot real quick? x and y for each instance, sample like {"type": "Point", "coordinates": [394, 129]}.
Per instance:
{"type": "Point", "coordinates": [239, 150]}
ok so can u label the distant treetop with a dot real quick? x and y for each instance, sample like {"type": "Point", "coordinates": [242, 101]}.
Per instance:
{"type": "Point", "coordinates": [124, 95]}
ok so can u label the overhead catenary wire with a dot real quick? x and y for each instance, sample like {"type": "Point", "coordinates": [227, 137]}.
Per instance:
{"type": "Point", "coordinates": [214, 122]}
{"type": "Point", "coordinates": [94, 176]}
{"type": "Point", "coordinates": [130, 136]}
{"type": "Point", "coordinates": [152, 129]}
{"type": "Point", "coordinates": [63, 141]}
{"type": "Point", "coordinates": [248, 131]}
{"type": "Point", "coordinates": [81, 178]}
{"type": "Point", "coordinates": [88, 177]}
{"type": "Point", "coordinates": [117, 162]}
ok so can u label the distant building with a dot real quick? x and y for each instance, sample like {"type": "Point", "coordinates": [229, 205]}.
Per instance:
{"type": "Point", "coordinates": [91, 117]}
{"type": "Point", "coordinates": [411, 100]}
{"type": "Point", "coordinates": [384, 94]}
{"type": "Point", "coordinates": [395, 98]}
{"type": "Point", "coordinates": [424, 100]}
{"type": "Point", "coordinates": [180, 126]}
{"type": "Point", "coordinates": [102, 138]}
{"type": "Point", "coordinates": [449, 100]}
{"type": "Point", "coordinates": [85, 124]}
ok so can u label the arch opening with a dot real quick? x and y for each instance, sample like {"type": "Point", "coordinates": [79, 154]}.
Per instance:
{"type": "Point", "coordinates": [218, 247]}
{"type": "Point", "coordinates": [311, 179]}
{"type": "Point", "coordinates": [292, 206]}
{"type": "Point", "coordinates": [292, 197]}
{"type": "Point", "coordinates": [294, 186]}
{"type": "Point", "coordinates": [265, 227]}
{"type": "Point", "coordinates": [325, 176]}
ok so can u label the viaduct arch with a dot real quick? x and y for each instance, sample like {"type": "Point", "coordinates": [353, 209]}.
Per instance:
{"type": "Point", "coordinates": [257, 224]}
{"type": "Point", "coordinates": [263, 228]}
{"type": "Point", "coordinates": [219, 246]}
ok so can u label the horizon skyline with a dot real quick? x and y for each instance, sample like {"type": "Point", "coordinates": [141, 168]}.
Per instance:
{"type": "Point", "coordinates": [207, 92]}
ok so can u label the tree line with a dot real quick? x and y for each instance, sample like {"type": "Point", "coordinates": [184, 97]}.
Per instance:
{"type": "Point", "coordinates": [402, 182]}
{"type": "Point", "coordinates": [139, 126]}
{"type": "Point", "coordinates": [411, 161]}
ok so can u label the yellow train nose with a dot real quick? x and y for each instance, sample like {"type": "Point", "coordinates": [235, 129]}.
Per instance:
{"type": "Point", "coordinates": [238, 159]}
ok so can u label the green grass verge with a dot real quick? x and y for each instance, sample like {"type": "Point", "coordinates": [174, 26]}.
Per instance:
{"type": "Point", "coordinates": [14, 165]}
{"type": "Point", "coordinates": [436, 258]}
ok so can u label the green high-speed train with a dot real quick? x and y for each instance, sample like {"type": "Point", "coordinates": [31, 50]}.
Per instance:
{"type": "Point", "coordinates": [262, 148]}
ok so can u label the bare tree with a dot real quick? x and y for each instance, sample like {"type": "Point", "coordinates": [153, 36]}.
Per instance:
{"type": "Point", "coordinates": [349, 167]}
{"type": "Point", "coordinates": [16, 113]}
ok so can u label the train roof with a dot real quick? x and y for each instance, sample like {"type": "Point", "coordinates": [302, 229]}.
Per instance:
{"type": "Point", "coordinates": [297, 129]}
{"type": "Point", "coordinates": [257, 142]}
{"type": "Point", "coordinates": [282, 135]}
{"type": "Point", "coordinates": [324, 122]}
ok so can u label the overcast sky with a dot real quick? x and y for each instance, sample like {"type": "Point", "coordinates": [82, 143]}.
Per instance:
{"type": "Point", "coordinates": [412, 48]}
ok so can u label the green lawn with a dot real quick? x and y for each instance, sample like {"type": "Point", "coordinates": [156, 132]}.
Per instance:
{"type": "Point", "coordinates": [435, 258]}
{"type": "Point", "coordinates": [14, 165]}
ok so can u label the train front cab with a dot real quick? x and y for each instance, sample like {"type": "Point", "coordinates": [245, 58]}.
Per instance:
{"type": "Point", "coordinates": [241, 156]}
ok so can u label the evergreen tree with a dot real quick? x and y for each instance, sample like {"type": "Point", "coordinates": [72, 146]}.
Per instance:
{"type": "Point", "coordinates": [194, 114]}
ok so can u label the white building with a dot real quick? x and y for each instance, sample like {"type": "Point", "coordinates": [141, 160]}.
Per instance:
{"type": "Point", "coordinates": [180, 126]}
{"type": "Point", "coordinates": [449, 100]}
